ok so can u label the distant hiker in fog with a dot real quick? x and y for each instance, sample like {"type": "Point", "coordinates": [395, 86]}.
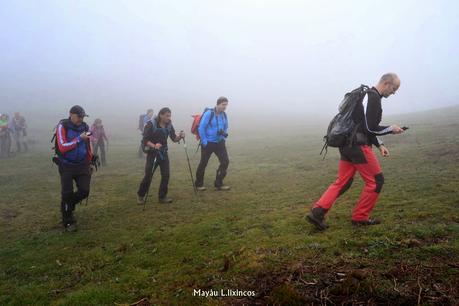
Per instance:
{"type": "Point", "coordinates": [155, 145]}
{"type": "Point", "coordinates": [213, 131]}
{"type": "Point", "coordinates": [99, 139]}
{"type": "Point", "coordinates": [19, 132]}
{"type": "Point", "coordinates": [5, 137]}
{"type": "Point", "coordinates": [364, 110]}
{"type": "Point", "coordinates": [143, 120]}
{"type": "Point", "coordinates": [74, 157]}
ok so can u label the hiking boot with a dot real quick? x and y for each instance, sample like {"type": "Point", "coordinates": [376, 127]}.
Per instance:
{"type": "Point", "coordinates": [70, 227]}
{"type": "Point", "coordinates": [317, 218]}
{"type": "Point", "coordinates": [366, 222]}
{"type": "Point", "coordinates": [165, 200]}
{"type": "Point", "coordinates": [140, 200]}
{"type": "Point", "coordinates": [223, 188]}
{"type": "Point", "coordinates": [202, 188]}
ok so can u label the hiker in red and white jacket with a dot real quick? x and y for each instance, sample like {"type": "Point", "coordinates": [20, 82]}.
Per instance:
{"type": "Point", "coordinates": [74, 156]}
{"type": "Point", "coordinates": [359, 157]}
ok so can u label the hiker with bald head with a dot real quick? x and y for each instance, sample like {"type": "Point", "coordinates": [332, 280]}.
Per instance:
{"type": "Point", "coordinates": [356, 154]}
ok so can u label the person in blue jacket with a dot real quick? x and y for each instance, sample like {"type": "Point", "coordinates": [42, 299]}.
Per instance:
{"type": "Point", "coordinates": [213, 131]}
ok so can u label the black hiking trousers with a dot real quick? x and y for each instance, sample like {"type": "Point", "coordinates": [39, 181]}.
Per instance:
{"type": "Point", "coordinates": [149, 168]}
{"type": "Point", "coordinates": [81, 174]}
{"type": "Point", "coordinates": [206, 152]}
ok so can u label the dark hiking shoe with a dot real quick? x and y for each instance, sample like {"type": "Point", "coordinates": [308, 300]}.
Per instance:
{"type": "Point", "coordinates": [140, 200]}
{"type": "Point", "coordinates": [317, 218]}
{"type": "Point", "coordinates": [366, 222]}
{"type": "Point", "coordinates": [70, 227]}
{"type": "Point", "coordinates": [223, 188]}
{"type": "Point", "coordinates": [202, 188]}
{"type": "Point", "coordinates": [165, 200]}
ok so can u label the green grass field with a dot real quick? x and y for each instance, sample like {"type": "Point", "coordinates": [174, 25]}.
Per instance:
{"type": "Point", "coordinates": [254, 237]}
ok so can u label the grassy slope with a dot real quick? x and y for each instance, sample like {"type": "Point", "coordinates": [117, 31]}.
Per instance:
{"type": "Point", "coordinates": [121, 254]}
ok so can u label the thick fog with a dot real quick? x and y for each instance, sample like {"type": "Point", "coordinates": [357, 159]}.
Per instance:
{"type": "Point", "coordinates": [118, 58]}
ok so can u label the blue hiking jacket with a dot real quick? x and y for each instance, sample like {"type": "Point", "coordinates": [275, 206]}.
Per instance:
{"type": "Point", "coordinates": [208, 129]}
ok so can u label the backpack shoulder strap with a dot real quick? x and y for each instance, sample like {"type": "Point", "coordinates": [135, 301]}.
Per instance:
{"type": "Point", "coordinates": [64, 123]}
{"type": "Point", "coordinates": [372, 90]}
{"type": "Point", "coordinates": [212, 114]}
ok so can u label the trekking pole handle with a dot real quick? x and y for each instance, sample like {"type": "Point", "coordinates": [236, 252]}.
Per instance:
{"type": "Point", "coordinates": [184, 143]}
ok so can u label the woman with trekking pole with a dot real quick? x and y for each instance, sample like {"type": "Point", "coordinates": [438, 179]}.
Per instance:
{"type": "Point", "coordinates": [154, 143]}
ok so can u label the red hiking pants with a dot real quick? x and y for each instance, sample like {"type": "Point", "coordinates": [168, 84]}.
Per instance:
{"type": "Point", "coordinates": [359, 158]}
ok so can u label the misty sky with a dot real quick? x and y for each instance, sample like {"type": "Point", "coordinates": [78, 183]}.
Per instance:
{"type": "Point", "coordinates": [278, 55]}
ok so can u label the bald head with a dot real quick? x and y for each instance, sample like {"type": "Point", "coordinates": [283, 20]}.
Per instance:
{"type": "Point", "coordinates": [388, 84]}
{"type": "Point", "coordinates": [389, 77]}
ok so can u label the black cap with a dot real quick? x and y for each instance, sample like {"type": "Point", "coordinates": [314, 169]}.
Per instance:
{"type": "Point", "coordinates": [78, 110]}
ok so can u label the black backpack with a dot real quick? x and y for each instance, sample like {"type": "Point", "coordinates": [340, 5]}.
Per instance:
{"type": "Point", "coordinates": [342, 128]}
{"type": "Point", "coordinates": [55, 148]}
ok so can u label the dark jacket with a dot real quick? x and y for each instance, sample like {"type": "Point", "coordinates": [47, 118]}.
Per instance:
{"type": "Point", "coordinates": [156, 134]}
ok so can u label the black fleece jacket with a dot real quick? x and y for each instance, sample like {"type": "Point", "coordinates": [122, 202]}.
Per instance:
{"type": "Point", "coordinates": [368, 115]}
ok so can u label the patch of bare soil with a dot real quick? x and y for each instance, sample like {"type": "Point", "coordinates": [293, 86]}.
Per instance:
{"type": "Point", "coordinates": [345, 284]}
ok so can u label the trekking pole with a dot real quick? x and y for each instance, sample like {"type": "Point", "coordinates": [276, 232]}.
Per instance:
{"type": "Point", "coordinates": [94, 163]}
{"type": "Point", "coordinates": [197, 149]}
{"type": "Point", "coordinates": [189, 167]}
{"type": "Point", "coordinates": [151, 178]}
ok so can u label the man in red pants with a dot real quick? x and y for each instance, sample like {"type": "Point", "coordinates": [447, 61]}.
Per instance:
{"type": "Point", "coordinates": [359, 157]}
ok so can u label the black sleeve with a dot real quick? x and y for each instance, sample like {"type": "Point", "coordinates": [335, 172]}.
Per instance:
{"type": "Point", "coordinates": [375, 141]}
{"type": "Point", "coordinates": [373, 117]}
{"type": "Point", "coordinates": [172, 134]}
